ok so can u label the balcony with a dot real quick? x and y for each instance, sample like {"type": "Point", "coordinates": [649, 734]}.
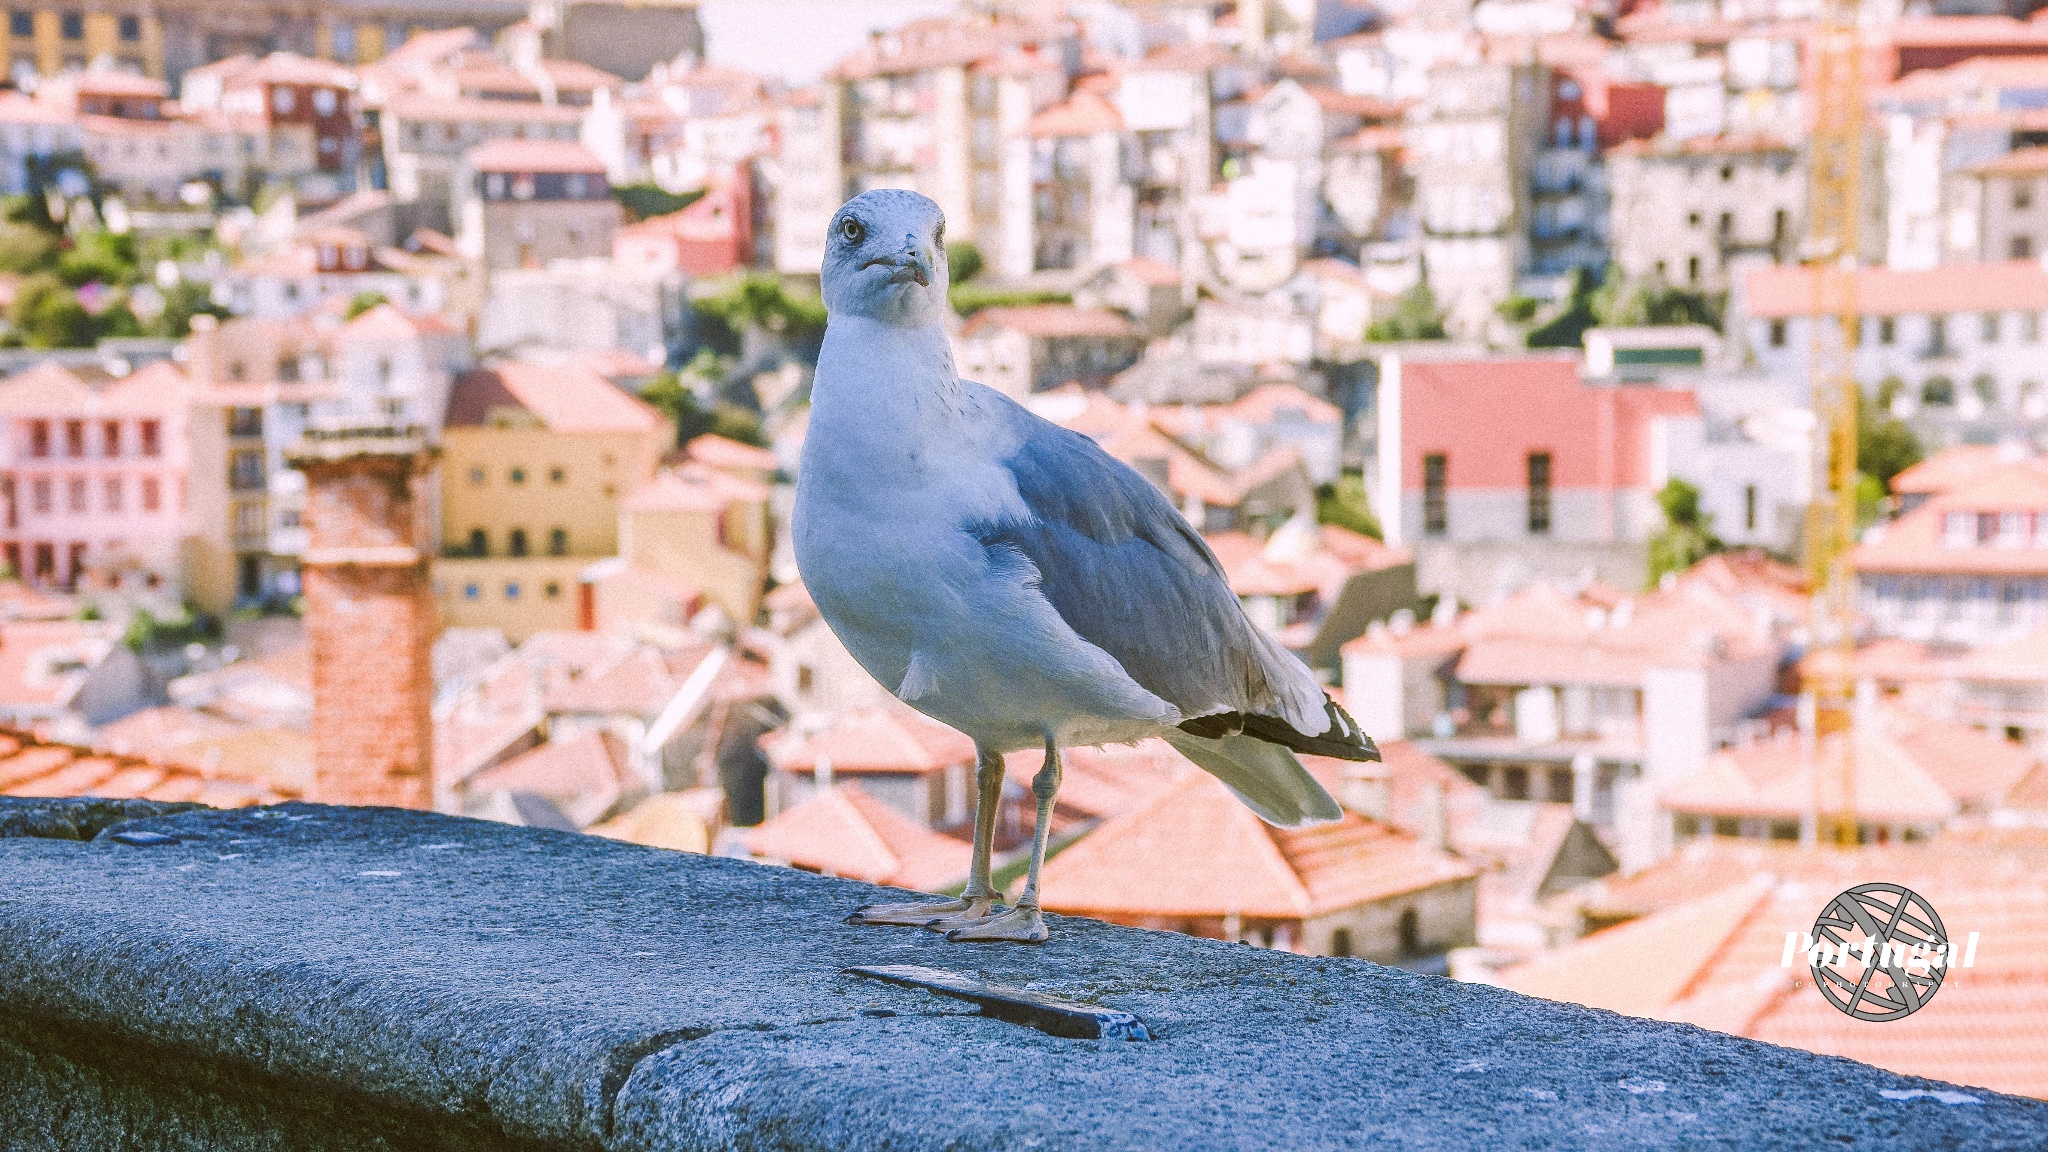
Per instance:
{"type": "Point", "coordinates": [314, 977]}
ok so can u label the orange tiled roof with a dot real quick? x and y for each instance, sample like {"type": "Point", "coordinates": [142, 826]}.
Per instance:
{"type": "Point", "coordinates": [1952, 466]}
{"type": "Point", "coordinates": [843, 831]}
{"type": "Point", "coordinates": [1098, 783]}
{"type": "Point", "coordinates": [1909, 769]}
{"type": "Point", "coordinates": [584, 778]}
{"type": "Point", "coordinates": [1913, 542]}
{"type": "Point", "coordinates": [566, 398]}
{"type": "Point", "coordinates": [1197, 851]}
{"type": "Point", "coordinates": [694, 487]}
{"type": "Point", "coordinates": [1083, 114]}
{"type": "Point", "coordinates": [1715, 960]}
{"type": "Point", "coordinates": [889, 738]}
{"type": "Point", "coordinates": [535, 156]}
{"type": "Point", "coordinates": [730, 455]}
{"type": "Point", "coordinates": [1782, 290]}
{"type": "Point", "coordinates": [32, 767]}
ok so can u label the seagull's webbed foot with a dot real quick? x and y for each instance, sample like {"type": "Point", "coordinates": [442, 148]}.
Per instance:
{"type": "Point", "coordinates": [1020, 925]}
{"type": "Point", "coordinates": [977, 912]}
{"type": "Point", "coordinates": [920, 915]}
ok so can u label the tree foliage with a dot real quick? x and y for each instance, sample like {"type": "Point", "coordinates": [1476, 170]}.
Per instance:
{"type": "Point", "coordinates": [362, 302]}
{"type": "Point", "coordinates": [644, 201]}
{"type": "Point", "coordinates": [1634, 302]}
{"type": "Point", "coordinates": [1687, 536]}
{"type": "Point", "coordinates": [1415, 317]}
{"type": "Point", "coordinates": [963, 261]}
{"type": "Point", "coordinates": [762, 301]}
{"type": "Point", "coordinates": [1568, 328]}
{"type": "Point", "coordinates": [1343, 503]}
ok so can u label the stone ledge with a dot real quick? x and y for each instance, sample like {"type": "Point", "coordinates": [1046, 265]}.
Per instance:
{"type": "Point", "coordinates": [330, 978]}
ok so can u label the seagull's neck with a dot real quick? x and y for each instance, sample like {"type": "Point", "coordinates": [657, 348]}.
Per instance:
{"type": "Point", "coordinates": [869, 370]}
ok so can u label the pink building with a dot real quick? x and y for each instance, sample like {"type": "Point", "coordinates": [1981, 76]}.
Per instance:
{"type": "Point", "coordinates": [92, 471]}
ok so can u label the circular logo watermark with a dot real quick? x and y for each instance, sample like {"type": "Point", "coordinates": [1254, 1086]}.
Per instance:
{"type": "Point", "coordinates": [1879, 952]}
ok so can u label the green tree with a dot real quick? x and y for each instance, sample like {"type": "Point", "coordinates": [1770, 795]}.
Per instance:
{"type": "Point", "coordinates": [762, 301]}
{"type": "Point", "coordinates": [1885, 446]}
{"type": "Point", "coordinates": [967, 299]}
{"type": "Point", "coordinates": [1518, 309]}
{"type": "Point", "coordinates": [1568, 328]}
{"type": "Point", "coordinates": [362, 302]}
{"type": "Point", "coordinates": [181, 304]}
{"type": "Point", "coordinates": [1687, 536]}
{"type": "Point", "coordinates": [643, 201]}
{"type": "Point", "coordinates": [963, 261]}
{"type": "Point", "coordinates": [1624, 302]}
{"type": "Point", "coordinates": [1415, 317]}
{"type": "Point", "coordinates": [99, 256]}
{"type": "Point", "coordinates": [1343, 503]}
{"type": "Point", "coordinates": [26, 249]}
{"type": "Point", "coordinates": [47, 314]}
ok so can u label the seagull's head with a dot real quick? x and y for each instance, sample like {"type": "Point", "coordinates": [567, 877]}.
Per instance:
{"type": "Point", "coordinates": [885, 258]}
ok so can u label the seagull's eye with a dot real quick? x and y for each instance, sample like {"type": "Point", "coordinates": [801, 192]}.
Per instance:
{"type": "Point", "coordinates": [852, 230]}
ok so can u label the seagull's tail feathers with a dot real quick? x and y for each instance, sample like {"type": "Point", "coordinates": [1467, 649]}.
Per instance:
{"type": "Point", "coordinates": [1267, 777]}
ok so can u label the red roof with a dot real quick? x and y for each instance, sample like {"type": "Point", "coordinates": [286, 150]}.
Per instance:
{"type": "Point", "coordinates": [1781, 290]}
{"type": "Point", "coordinates": [1909, 769]}
{"type": "Point", "coordinates": [1914, 543]}
{"type": "Point", "coordinates": [1151, 272]}
{"type": "Point", "coordinates": [730, 455]}
{"type": "Point", "coordinates": [566, 156]}
{"type": "Point", "coordinates": [843, 831]}
{"type": "Point", "coordinates": [1948, 468]}
{"type": "Point", "coordinates": [1197, 851]}
{"type": "Point", "coordinates": [565, 398]}
{"type": "Point", "coordinates": [1083, 114]}
{"type": "Point", "coordinates": [1051, 321]}
{"type": "Point", "coordinates": [892, 738]}
{"type": "Point", "coordinates": [584, 778]}
{"type": "Point", "coordinates": [694, 487]}
{"type": "Point", "coordinates": [1715, 959]}
{"type": "Point", "coordinates": [32, 767]}
{"type": "Point", "coordinates": [1486, 416]}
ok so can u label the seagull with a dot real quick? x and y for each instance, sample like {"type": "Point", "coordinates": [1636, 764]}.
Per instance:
{"type": "Point", "coordinates": [1007, 577]}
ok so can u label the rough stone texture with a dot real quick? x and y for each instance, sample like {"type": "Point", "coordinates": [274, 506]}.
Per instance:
{"type": "Point", "coordinates": [66, 819]}
{"type": "Point", "coordinates": [321, 978]}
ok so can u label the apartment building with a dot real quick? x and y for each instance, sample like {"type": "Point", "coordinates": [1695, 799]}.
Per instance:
{"type": "Point", "coordinates": [1697, 213]}
{"type": "Point", "coordinates": [92, 472]}
{"type": "Point", "coordinates": [524, 203]}
{"type": "Point", "coordinates": [1473, 139]}
{"type": "Point", "coordinates": [536, 464]}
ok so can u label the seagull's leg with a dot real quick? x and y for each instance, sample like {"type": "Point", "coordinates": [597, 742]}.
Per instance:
{"type": "Point", "coordinates": [973, 905]}
{"type": "Point", "coordinates": [1023, 924]}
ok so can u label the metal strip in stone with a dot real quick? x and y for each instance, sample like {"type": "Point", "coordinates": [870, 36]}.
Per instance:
{"type": "Point", "coordinates": [1052, 1015]}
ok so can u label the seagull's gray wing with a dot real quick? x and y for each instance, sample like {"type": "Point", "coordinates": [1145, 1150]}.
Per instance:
{"type": "Point", "coordinates": [1128, 573]}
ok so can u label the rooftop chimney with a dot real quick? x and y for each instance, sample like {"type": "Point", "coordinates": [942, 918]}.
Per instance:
{"type": "Point", "coordinates": [369, 615]}
{"type": "Point", "coordinates": [1365, 789]}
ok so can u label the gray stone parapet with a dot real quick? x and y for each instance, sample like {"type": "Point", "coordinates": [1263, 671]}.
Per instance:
{"type": "Point", "coordinates": [307, 977]}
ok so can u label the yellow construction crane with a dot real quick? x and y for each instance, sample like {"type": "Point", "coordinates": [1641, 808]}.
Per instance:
{"type": "Point", "coordinates": [1833, 220]}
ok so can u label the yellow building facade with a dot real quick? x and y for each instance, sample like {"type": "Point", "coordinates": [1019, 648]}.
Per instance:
{"type": "Point", "coordinates": [52, 38]}
{"type": "Point", "coordinates": [535, 463]}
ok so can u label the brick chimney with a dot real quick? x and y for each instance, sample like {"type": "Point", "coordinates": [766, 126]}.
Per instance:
{"type": "Point", "coordinates": [369, 614]}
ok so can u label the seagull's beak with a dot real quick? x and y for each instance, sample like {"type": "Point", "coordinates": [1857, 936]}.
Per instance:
{"type": "Point", "coordinates": [916, 262]}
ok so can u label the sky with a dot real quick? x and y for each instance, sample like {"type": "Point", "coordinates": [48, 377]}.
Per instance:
{"type": "Point", "coordinates": [798, 39]}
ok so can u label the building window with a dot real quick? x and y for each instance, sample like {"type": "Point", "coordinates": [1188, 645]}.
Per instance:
{"type": "Point", "coordinates": [22, 23]}
{"type": "Point", "coordinates": [246, 423]}
{"type": "Point", "coordinates": [476, 476]}
{"type": "Point", "coordinates": [553, 590]}
{"type": "Point", "coordinates": [1435, 511]}
{"type": "Point", "coordinates": [110, 439]}
{"type": "Point", "coordinates": [511, 591]}
{"type": "Point", "coordinates": [1692, 269]}
{"type": "Point", "coordinates": [1937, 335]}
{"type": "Point", "coordinates": [115, 488]}
{"type": "Point", "coordinates": [71, 25]}
{"type": "Point", "coordinates": [129, 28]}
{"type": "Point", "coordinates": [517, 475]}
{"type": "Point", "coordinates": [1409, 929]}
{"type": "Point", "coordinates": [323, 101]}
{"type": "Point", "coordinates": [2022, 195]}
{"type": "Point", "coordinates": [245, 472]}
{"type": "Point", "coordinates": [1749, 507]}
{"type": "Point", "coordinates": [74, 493]}
{"type": "Point", "coordinates": [74, 438]}
{"type": "Point", "coordinates": [2020, 247]}
{"type": "Point", "coordinates": [1939, 391]}
{"type": "Point", "coordinates": [1991, 327]}
{"type": "Point", "coordinates": [39, 438]}
{"type": "Point", "coordinates": [515, 542]}
{"type": "Point", "coordinates": [479, 542]}
{"type": "Point", "coordinates": [40, 495]}
{"type": "Point", "coordinates": [283, 101]}
{"type": "Point", "coordinates": [1776, 335]}
{"type": "Point", "coordinates": [558, 541]}
{"type": "Point", "coordinates": [1958, 530]}
{"type": "Point", "coordinates": [2030, 327]}
{"type": "Point", "coordinates": [556, 476]}
{"type": "Point", "coordinates": [152, 438]}
{"type": "Point", "coordinates": [152, 494]}
{"type": "Point", "coordinates": [1340, 942]}
{"type": "Point", "coordinates": [1539, 493]}
{"type": "Point", "coordinates": [1986, 388]}
{"type": "Point", "coordinates": [1887, 330]}
{"type": "Point", "coordinates": [471, 592]}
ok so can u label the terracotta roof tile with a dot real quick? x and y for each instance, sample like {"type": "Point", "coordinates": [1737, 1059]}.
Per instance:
{"type": "Point", "coordinates": [1777, 291]}
{"type": "Point", "coordinates": [1913, 543]}
{"type": "Point", "coordinates": [1224, 859]}
{"type": "Point", "coordinates": [535, 156]}
{"type": "Point", "coordinates": [565, 398]}
{"type": "Point", "coordinates": [1051, 321]}
{"type": "Point", "coordinates": [1083, 114]}
{"type": "Point", "coordinates": [843, 831]}
{"type": "Point", "coordinates": [889, 738]}
{"type": "Point", "coordinates": [584, 778]}
{"type": "Point", "coordinates": [694, 487]}
{"type": "Point", "coordinates": [33, 767]}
